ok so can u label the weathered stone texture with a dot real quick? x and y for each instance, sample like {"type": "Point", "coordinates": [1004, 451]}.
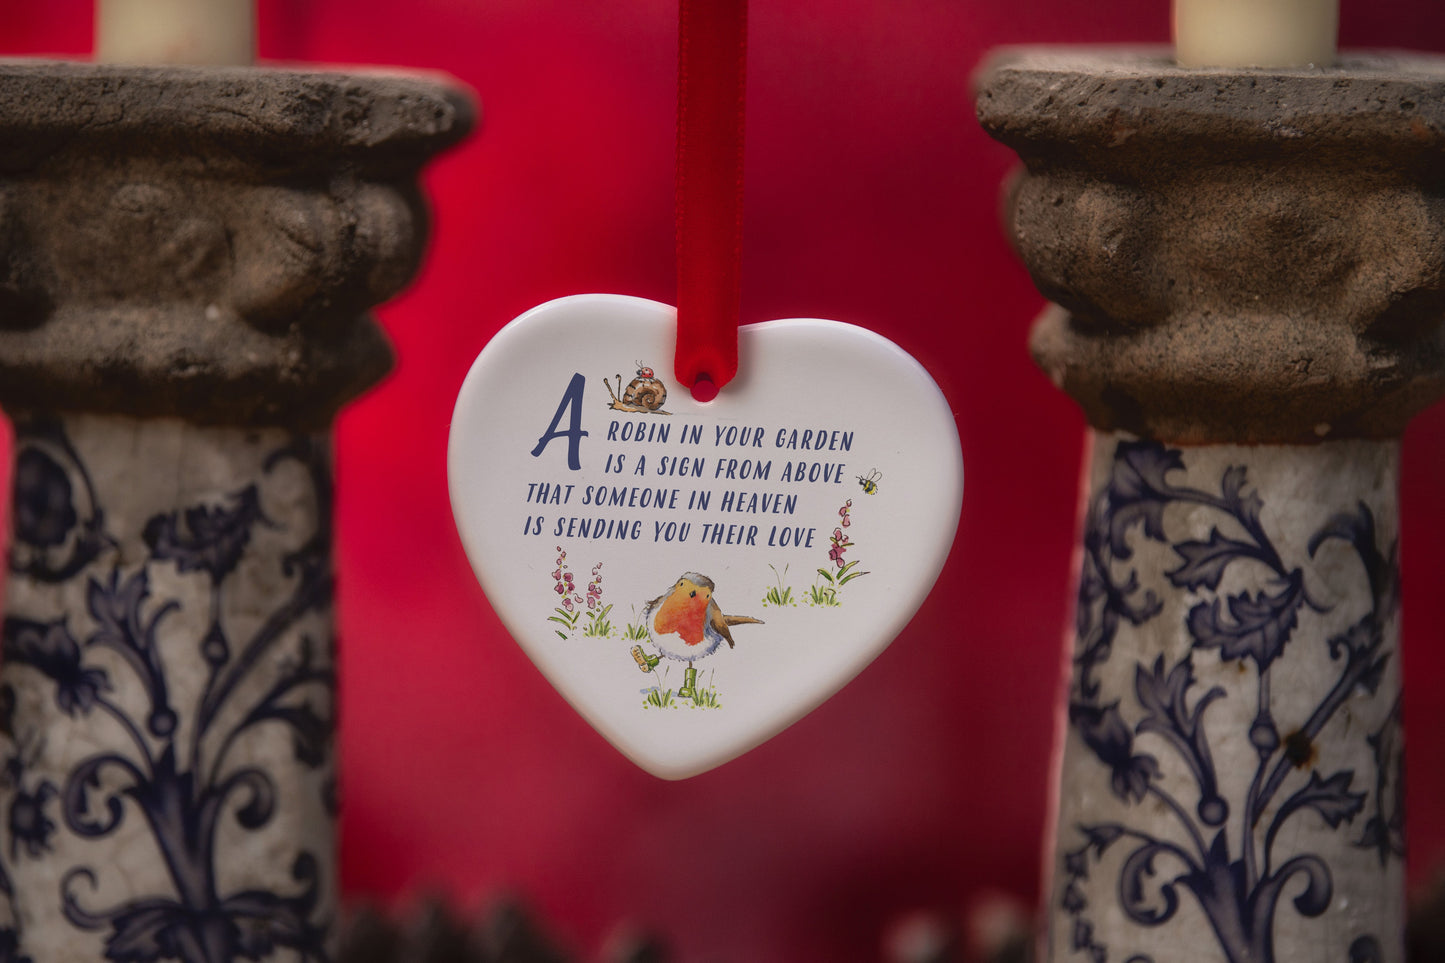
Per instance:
{"type": "Point", "coordinates": [1236, 255]}
{"type": "Point", "coordinates": [204, 242]}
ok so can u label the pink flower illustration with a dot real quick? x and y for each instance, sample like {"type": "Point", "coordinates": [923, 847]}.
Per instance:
{"type": "Point", "coordinates": [825, 592]}
{"type": "Point", "coordinates": [569, 613]}
{"type": "Point", "coordinates": [840, 545]}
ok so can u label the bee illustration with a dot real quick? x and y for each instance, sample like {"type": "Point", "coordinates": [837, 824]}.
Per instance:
{"type": "Point", "coordinates": [870, 483]}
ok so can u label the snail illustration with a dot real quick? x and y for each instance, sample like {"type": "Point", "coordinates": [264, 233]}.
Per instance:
{"type": "Point", "coordinates": [645, 393]}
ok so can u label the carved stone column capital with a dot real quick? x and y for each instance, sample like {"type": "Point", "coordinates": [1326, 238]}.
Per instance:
{"type": "Point", "coordinates": [1234, 255]}
{"type": "Point", "coordinates": [204, 242]}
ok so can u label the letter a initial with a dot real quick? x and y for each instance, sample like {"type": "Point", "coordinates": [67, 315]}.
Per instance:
{"type": "Point", "coordinates": [571, 397]}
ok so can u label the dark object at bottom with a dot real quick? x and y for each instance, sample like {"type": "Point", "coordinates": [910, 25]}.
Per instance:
{"type": "Point", "coordinates": [506, 933]}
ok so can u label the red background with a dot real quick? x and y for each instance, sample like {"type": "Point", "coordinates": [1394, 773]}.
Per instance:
{"type": "Point", "coordinates": [871, 199]}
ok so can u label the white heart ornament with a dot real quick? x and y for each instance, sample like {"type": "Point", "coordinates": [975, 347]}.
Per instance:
{"type": "Point", "coordinates": [695, 577]}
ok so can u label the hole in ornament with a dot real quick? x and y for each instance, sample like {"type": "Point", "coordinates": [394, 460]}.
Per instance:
{"type": "Point", "coordinates": [703, 389]}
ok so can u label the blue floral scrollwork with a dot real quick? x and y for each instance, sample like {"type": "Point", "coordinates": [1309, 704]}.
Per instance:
{"type": "Point", "coordinates": [182, 789]}
{"type": "Point", "coordinates": [54, 538]}
{"type": "Point", "coordinates": [1237, 884]}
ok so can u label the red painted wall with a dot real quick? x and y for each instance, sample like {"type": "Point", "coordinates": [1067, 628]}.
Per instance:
{"type": "Point", "coordinates": [871, 199]}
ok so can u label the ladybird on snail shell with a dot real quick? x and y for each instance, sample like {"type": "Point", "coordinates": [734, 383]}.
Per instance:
{"type": "Point", "coordinates": [645, 391]}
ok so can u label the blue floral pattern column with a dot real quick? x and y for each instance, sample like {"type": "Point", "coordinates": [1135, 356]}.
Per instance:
{"type": "Point", "coordinates": [186, 262]}
{"type": "Point", "coordinates": [1246, 273]}
{"type": "Point", "coordinates": [169, 688]}
{"type": "Point", "coordinates": [1233, 757]}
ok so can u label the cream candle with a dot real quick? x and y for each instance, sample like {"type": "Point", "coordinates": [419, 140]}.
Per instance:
{"type": "Point", "coordinates": [175, 31]}
{"type": "Point", "coordinates": [1255, 33]}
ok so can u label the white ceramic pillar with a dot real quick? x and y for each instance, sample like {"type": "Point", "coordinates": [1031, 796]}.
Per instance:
{"type": "Point", "coordinates": [1246, 267]}
{"type": "Point", "coordinates": [169, 677]}
{"type": "Point", "coordinates": [1231, 777]}
{"type": "Point", "coordinates": [186, 261]}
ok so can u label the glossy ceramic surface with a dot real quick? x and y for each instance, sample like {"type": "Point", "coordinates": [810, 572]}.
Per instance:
{"type": "Point", "coordinates": [695, 577]}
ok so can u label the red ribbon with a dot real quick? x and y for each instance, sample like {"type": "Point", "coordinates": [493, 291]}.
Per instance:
{"type": "Point", "coordinates": [712, 58]}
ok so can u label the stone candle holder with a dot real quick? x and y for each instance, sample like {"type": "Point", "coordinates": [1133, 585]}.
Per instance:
{"type": "Point", "coordinates": [1248, 276]}
{"type": "Point", "coordinates": [186, 260]}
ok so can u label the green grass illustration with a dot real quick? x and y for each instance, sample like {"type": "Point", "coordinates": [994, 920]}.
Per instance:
{"type": "Point", "coordinates": [706, 699]}
{"type": "Point", "coordinates": [598, 627]}
{"type": "Point", "coordinates": [779, 594]}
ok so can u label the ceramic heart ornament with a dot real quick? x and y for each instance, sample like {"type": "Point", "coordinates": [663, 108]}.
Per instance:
{"type": "Point", "coordinates": [694, 577]}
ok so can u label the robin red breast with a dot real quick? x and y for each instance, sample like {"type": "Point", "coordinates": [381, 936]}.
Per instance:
{"type": "Point", "coordinates": [686, 624]}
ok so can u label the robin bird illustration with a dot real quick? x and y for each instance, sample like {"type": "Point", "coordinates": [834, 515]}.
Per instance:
{"type": "Point", "coordinates": [686, 624]}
